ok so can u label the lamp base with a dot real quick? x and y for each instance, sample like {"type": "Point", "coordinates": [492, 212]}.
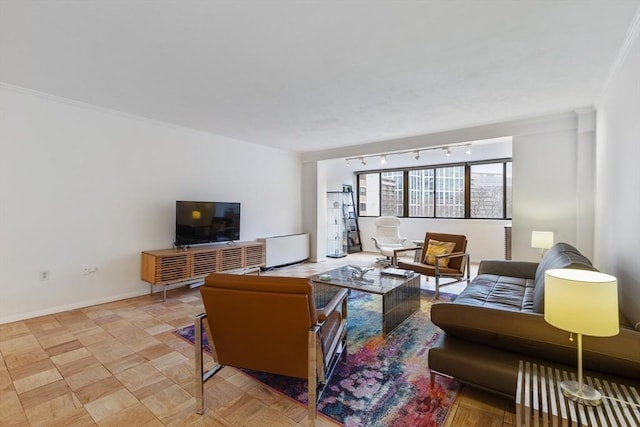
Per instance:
{"type": "Point", "coordinates": [588, 396]}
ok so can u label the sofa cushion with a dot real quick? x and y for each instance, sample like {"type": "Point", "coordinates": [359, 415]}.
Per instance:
{"type": "Point", "coordinates": [501, 292]}
{"type": "Point", "coordinates": [561, 255]}
{"type": "Point", "coordinates": [435, 247]}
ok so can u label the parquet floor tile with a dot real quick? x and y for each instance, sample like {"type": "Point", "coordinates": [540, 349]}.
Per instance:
{"type": "Point", "coordinates": [124, 363]}
{"type": "Point", "coordinates": [110, 404]}
{"type": "Point", "coordinates": [65, 347]}
{"type": "Point", "coordinates": [56, 411]}
{"type": "Point", "coordinates": [36, 380]}
{"type": "Point", "coordinates": [121, 364]}
{"type": "Point", "coordinates": [40, 395]}
{"type": "Point", "coordinates": [99, 389]}
{"type": "Point", "coordinates": [11, 412]}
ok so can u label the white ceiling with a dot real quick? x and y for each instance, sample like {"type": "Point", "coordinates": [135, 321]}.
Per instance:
{"type": "Point", "coordinates": [314, 75]}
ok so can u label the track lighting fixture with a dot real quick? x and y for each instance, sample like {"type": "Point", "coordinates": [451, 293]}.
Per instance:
{"type": "Point", "coordinates": [414, 152]}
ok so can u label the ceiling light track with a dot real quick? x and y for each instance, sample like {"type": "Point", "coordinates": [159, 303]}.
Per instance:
{"type": "Point", "coordinates": [447, 149]}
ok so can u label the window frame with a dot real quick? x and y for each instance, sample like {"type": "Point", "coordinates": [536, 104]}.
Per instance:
{"type": "Point", "coordinates": [466, 188]}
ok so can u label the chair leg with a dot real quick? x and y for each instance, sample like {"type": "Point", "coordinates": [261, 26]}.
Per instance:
{"type": "Point", "coordinates": [312, 376]}
{"type": "Point", "coordinates": [199, 365]}
{"type": "Point", "coordinates": [468, 270]}
{"type": "Point", "coordinates": [201, 376]}
{"type": "Point", "coordinates": [437, 287]}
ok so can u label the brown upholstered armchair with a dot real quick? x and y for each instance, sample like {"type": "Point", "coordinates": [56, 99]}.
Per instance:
{"type": "Point", "coordinates": [457, 268]}
{"type": "Point", "coordinates": [270, 324]}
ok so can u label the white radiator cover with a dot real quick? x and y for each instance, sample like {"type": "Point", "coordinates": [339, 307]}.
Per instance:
{"type": "Point", "coordinates": [285, 250]}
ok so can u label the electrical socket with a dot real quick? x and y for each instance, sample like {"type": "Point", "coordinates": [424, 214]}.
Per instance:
{"type": "Point", "coordinates": [88, 269]}
{"type": "Point", "coordinates": [45, 275]}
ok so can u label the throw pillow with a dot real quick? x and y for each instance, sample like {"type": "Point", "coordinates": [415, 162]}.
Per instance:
{"type": "Point", "coordinates": [436, 247]}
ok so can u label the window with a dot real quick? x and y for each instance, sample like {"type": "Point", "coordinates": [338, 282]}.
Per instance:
{"type": "Point", "coordinates": [472, 190]}
{"type": "Point", "coordinates": [369, 194]}
{"type": "Point", "coordinates": [391, 193]}
{"type": "Point", "coordinates": [487, 195]}
{"type": "Point", "coordinates": [450, 192]}
{"type": "Point", "coordinates": [508, 189]}
{"type": "Point", "coordinates": [421, 195]}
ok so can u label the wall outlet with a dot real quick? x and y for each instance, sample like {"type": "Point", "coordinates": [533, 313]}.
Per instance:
{"type": "Point", "coordinates": [88, 269]}
{"type": "Point", "coordinates": [45, 275]}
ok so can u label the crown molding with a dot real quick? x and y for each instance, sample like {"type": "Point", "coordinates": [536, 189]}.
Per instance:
{"type": "Point", "coordinates": [630, 39]}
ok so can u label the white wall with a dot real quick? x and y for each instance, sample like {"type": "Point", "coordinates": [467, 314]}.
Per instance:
{"type": "Point", "coordinates": [485, 238]}
{"type": "Point", "coordinates": [87, 186]}
{"type": "Point", "coordinates": [544, 189]}
{"type": "Point", "coordinates": [617, 221]}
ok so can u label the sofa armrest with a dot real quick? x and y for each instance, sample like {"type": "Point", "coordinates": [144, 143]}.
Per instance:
{"type": "Point", "coordinates": [520, 269]}
{"type": "Point", "coordinates": [529, 334]}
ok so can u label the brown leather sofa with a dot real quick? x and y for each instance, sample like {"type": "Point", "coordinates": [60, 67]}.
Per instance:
{"type": "Point", "coordinates": [498, 320]}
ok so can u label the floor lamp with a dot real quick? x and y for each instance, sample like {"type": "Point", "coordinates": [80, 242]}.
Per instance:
{"type": "Point", "coordinates": [541, 240]}
{"type": "Point", "coordinates": [583, 302]}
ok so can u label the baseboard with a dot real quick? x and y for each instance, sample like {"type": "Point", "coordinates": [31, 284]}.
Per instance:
{"type": "Point", "coordinates": [74, 306]}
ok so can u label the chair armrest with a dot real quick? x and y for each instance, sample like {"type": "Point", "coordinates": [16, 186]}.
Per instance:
{"type": "Point", "coordinates": [376, 243]}
{"type": "Point", "coordinates": [331, 306]}
{"type": "Point", "coordinates": [452, 255]}
{"type": "Point", "coordinates": [396, 251]}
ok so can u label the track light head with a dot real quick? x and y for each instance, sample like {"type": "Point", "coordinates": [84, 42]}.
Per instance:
{"type": "Point", "coordinates": [347, 163]}
{"type": "Point", "coordinates": [383, 159]}
{"type": "Point", "coordinates": [467, 150]}
{"type": "Point", "coordinates": [417, 155]}
{"type": "Point", "coordinates": [448, 152]}
{"type": "Point", "coordinates": [363, 161]}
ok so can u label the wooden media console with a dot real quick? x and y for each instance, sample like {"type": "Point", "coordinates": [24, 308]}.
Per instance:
{"type": "Point", "coordinates": [169, 266]}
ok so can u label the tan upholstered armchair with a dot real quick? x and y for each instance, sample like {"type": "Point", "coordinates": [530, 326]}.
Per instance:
{"type": "Point", "coordinates": [458, 265]}
{"type": "Point", "coordinates": [271, 324]}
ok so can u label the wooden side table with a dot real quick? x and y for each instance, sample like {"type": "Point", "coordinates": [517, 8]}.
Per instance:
{"type": "Point", "coordinates": [540, 402]}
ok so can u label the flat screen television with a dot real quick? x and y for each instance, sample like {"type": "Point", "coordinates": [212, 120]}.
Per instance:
{"type": "Point", "coordinates": [206, 222]}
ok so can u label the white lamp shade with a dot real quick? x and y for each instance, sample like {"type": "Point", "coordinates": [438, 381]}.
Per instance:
{"type": "Point", "coordinates": [581, 301]}
{"type": "Point", "coordinates": [541, 239]}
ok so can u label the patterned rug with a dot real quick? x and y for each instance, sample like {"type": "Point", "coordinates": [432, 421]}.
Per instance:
{"type": "Point", "coordinates": [385, 381]}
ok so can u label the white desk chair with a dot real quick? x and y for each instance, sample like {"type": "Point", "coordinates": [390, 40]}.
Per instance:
{"type": "Point", "coordinates": [388, 239]}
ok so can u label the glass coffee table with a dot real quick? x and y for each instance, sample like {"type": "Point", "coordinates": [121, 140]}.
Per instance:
{"type": "Point", "coordinates": [400, 294]}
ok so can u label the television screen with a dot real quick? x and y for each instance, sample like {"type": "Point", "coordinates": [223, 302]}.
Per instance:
{"type": "Point", "coordinates": [206, 222]}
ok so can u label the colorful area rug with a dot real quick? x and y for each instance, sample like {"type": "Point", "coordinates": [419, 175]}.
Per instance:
{"type": "Point", "coordinates": [385, 381]}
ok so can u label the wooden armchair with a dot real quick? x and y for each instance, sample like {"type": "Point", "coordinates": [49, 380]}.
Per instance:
{"type": "Point", "coordinates": [270, 324]}
{"type": "Point", "coordinates": [457, 269]}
